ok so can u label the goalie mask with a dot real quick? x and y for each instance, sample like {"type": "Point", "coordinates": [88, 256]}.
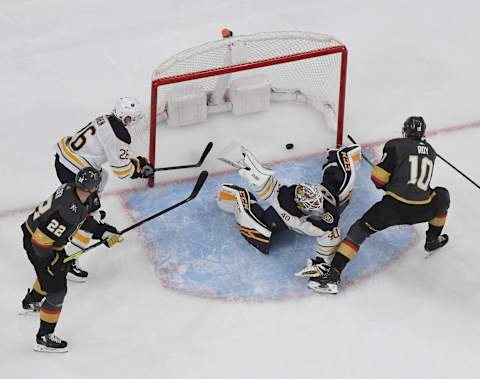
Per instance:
{"type": "Point", "coordinates": [309, 198]}
{"type": "Point", "coordinates": [127, 110]}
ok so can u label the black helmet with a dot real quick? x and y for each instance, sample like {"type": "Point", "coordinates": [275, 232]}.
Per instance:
{"type": "Point", "coordinates": [414, 127]}
{"type": "Point", "coordinates": [87, 179]}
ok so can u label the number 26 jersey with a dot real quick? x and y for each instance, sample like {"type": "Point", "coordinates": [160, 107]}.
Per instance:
{"type": "Point", "coordinates": [105, 139]}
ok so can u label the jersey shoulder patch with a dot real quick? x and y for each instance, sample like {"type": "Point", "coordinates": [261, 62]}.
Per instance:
{"type": "Point", "coordinates": [119, 130]}
{"type": "Point", "coordinates": [69, 205]}
{"type": "Point", "coordinates": [328, 218]}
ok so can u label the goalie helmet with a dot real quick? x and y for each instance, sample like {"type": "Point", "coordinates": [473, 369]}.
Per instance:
{"type": "Point", "coordinates": [414, 127]}
{"type": "Point", "coordinates": [128, 107]}
{"type": "Point", "coordinates": [88, 179]}
{"type": "Point", "coordinates": [309, 198]}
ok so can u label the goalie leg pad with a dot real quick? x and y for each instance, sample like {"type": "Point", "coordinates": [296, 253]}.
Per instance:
{"type": "Point", "coordinates": [342, 165]}
{"type": "Point", "coordinates": [227, 197]}
{"type": "Point", "coordinates": [251, 228]}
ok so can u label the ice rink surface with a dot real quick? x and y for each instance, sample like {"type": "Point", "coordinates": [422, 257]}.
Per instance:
{"type": "Point", "coordinates": [143, 312]}
{"type": "Point", "coordinates": [198, 249]}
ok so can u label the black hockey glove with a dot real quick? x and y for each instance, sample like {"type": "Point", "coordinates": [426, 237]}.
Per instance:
{"type": "Point", "coordinates": [108, 234]}
{"type": "Point", "coordinates": [143, 169]}
{"type": "Point", "coordinates": [102, 231]}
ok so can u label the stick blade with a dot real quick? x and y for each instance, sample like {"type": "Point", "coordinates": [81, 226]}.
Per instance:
{"type": "Point", "coordinates": [199, 184]}
{"type": "Point", "coordinates": [205, 153]}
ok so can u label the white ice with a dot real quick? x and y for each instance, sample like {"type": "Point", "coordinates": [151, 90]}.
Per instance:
{"type": "Point", "coordinates": [63, 63]}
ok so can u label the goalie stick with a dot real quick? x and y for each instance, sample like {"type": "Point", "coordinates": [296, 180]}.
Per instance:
{"type": "Point", "coordinates": [198, 164]}
{"type": "Point", "coordinates": [198, 186]}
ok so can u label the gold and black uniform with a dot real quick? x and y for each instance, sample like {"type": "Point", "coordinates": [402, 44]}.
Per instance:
{"type": "Point", "coordinates": [405, 170]}
{"type": "Point", "coordinates": [404, 173]}
{"type": "Point", "coordinates": [47, 230]}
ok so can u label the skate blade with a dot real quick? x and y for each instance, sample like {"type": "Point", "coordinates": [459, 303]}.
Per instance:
{"type": "Point", "coordinates": [76, 279]}
{"type": "Point", "coordinates": [309, 272]}
{"type": "Point", "coordinates": [430, 253]}
{"type": "Point", "coordinates": [28, 312]}
{"type": "Point", "coordinates": [44, 349]}
{"type": "Point", "coordinates": [329, 288]}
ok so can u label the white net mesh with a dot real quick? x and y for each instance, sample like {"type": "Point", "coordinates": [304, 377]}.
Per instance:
{"type": "Point", "coordinates": [318, 77]}
{"type": "Point", "coordinates": [260, 46]}
{"type": "Point", "coordinates": [314, 80]}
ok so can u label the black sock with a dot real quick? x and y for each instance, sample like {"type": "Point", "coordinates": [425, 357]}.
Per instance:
{"type": "Point", "coordinates": [433, 232]}
{"type": "Point", "coordinates": [339, 261]}
{"type": "Point", "coordinates": [46, 328]}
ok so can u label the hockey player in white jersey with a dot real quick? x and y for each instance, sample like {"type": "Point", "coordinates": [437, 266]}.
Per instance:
{"type": "Point", "coordinates": [310, 209]}
{"type": "Point", "coordinates": [106, 139]}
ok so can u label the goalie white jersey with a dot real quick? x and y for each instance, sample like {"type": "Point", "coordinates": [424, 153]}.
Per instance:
{"type": "Point", "coordinates": [285, 212]}
{"type": "Point", "coordinates": [105, 139]}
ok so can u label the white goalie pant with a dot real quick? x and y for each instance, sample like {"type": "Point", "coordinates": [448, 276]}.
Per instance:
{"type": "Point", "coordinates": [327, 244]}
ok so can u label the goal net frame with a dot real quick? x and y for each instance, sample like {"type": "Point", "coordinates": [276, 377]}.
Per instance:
{"type": "Point", "coordinates": [156, 115]}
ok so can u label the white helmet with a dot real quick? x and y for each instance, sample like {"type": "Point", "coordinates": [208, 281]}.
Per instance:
{"type": "Point", "coordinates": [128, 107]}
{"type": "Point", "coordinates": [309, 198]}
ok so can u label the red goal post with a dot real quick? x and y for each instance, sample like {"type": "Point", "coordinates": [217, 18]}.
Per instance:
{"type": "Point", "coordinates": [299, 66]}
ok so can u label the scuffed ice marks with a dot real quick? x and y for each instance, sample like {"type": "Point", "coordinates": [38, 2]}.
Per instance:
{"type": "Point", "coordinates": [197, 248]}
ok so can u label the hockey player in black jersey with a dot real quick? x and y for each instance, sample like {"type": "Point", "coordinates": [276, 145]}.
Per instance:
{"type": "Point", "coordinates": [404, 173]}
{"type": "Point", "coordinates": [45, 233]}
{"type": "Point", "coordinates": [106, 139]}
{"type": "Point", "coordinates": [310, 209]}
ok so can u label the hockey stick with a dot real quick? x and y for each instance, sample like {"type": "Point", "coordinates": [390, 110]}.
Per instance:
{"type": "Point", "coordinates": [198, 164]}
{"type": "Point", "coordinates": [363, 155]}
{"type": "Point", "coordinates": [438, 155]}
{"type": "Point", "coordinates": [457, 170]}
{"type": "Point", "coordinates": [198, 186]}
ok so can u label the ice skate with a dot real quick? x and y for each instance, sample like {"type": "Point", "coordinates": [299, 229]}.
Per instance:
{"type": "Point", "coordinates": [29, 307]}
{"type": "Point", "coordinates": [327, 283]}
{"type": "Point", "coordinates": [436, 243]}
{"type": "Point", "coordinates": [76, 273]}
{"type": "Point", "coordinates": [50, 343]}
{"type": "Point", "coordinates": [315, 268]}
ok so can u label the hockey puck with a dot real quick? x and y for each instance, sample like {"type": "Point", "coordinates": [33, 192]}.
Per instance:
{"type": "Point", "coordinates": [289, 146]}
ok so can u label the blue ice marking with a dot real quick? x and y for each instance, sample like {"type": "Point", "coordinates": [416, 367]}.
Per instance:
{"type": "Point", "coordinates": [197, 247]}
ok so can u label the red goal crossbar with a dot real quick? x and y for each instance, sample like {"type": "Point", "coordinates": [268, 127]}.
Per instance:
{"type": "Point", "coordinates": [342, 50]}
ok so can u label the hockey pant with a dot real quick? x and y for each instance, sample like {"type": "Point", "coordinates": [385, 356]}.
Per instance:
{"type": "Point", "coordinates": [390, 212]}
{"type": "Point", "coordinates": [51, 282]}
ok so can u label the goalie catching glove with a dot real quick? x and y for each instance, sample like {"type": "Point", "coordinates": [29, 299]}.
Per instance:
{"type": "Point", "coordinates": [261, 179]}
{"type": "Point", "coordinates": [143, 169]}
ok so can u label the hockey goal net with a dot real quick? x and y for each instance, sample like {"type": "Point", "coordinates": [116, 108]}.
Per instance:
{"type": "Point", "coordinates": [243, 74]}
